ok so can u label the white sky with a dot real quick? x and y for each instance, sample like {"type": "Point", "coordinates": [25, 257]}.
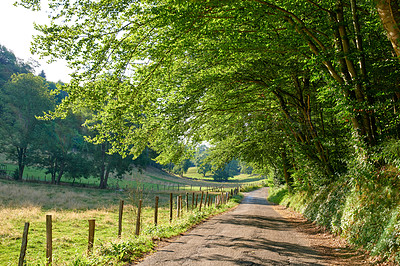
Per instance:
{"type": "Point", "coordinates": [16, 31]}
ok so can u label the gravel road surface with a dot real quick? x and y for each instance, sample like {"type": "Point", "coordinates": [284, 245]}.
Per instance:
{"type": "Point", "coordinates": [252, 234]}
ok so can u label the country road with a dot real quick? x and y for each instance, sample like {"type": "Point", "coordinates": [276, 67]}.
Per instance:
{"type": "Point", "coordinates": [252, 234]}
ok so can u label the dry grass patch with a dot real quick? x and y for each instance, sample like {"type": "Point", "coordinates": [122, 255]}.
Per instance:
{"type": "Point", "coordinates": [10, 216]}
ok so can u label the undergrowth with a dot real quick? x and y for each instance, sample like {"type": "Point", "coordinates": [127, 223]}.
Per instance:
{"type": "Point", "coordinates": [367, 217]}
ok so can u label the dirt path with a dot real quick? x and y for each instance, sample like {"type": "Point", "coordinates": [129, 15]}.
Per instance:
{"type": "Point", "coordinates": [252, 234]}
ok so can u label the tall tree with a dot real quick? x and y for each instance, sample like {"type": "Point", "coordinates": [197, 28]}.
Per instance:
{"type": "Point", "coordinates": [389, 14]}
{"type": "Point", "coordinates": [23, 98]}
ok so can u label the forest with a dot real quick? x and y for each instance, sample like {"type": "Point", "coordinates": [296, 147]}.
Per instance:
{"type": "Point", "coordinates": [304, 90]}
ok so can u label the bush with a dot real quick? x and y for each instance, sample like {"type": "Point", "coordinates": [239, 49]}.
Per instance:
{"type": "Point", "coordinates": [277, 194]}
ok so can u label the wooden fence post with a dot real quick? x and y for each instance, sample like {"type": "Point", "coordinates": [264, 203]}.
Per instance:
{"type": "Point", "coordinates": [156, 211]}
{"type": "Point", "coordinates": [92, 224]}
{"type": "Point", "coordinates": [201, 200]}
{"type": "Point", "coordinates": [138, 218]}
{"type": "Point", "coordinates": [187, 201]}
{"type": "Point", "coordinates": [178, 206]}
{"type": "Point", "coordinates": [49, 240]}
{"type": "Point", "coordinates": [181, 204]}
{"type": "Point", "coordinates": [192, 200]}
{"type": "Point", "coordinates": [23, 245]}
{"type": "Point", "coordinates": [121, 210]}
{"type": "Point", "coordinates": [170, 207]}
{"type": "Point", "coordinates": [206, 200]}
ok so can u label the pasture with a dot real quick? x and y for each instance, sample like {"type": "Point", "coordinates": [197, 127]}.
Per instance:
{"type": "Point", "coordinates": [72, 207]}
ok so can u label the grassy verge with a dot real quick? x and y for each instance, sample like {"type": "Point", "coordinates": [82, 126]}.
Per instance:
{"type": "Point", "coordinates": [367, 217]}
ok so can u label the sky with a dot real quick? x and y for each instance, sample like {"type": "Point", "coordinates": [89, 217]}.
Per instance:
{"type": "Point", "coordinates": [16, 33]}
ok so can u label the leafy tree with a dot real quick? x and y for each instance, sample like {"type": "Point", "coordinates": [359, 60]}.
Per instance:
{"type": "Point", "coordinates": [23, 98]}
{"type": "Point", "coordinates": [228, 170]}
{"type": "Point", "coordinates": [201, 160]}
{"type": "Point", "coordinates": [182, 167]}
{"type": "Point", "coordinates": [107, 164]}
{"type": "Point", "coordinates": [10, 64]}
{"type": "Point", "coordinates": [204, 167]}
{"type": "Point", "coordinates": [221, 175]}
{"type": "Point", "coordinates": [77, 166]}
{"type": "Point", "coordinates": [233, 168]}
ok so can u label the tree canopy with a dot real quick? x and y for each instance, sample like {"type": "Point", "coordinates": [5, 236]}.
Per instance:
{"type": "Point", "coordinates": [298, 85]}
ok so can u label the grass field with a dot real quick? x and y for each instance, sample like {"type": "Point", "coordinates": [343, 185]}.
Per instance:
{"type": "Point", "coordinates": [71, 208]}
{"type": "Point", "coordinates": [239, 179]}
{"type": "Point", "coordinates": [149, 179]}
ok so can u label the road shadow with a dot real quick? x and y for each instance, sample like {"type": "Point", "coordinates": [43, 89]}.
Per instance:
{"type": "Point", "coordinates": [258, 221]}
{"type": "Point", "coordinates": [257, 252]}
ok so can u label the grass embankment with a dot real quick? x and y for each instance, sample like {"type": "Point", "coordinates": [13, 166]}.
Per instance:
{"type": "Point", "coordinates": [71, 208]}
{"type": "Point", "coordinates": [368, 217]}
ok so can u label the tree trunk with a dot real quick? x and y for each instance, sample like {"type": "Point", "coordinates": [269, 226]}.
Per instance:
{"type": "Point", "coordinates": [102, 166]}
{"type": "Point", "coordinates": [103, 184]}
{"type": "Point", "coordinates": [60, 174]}
{"type": "Point", "coordinates": [53, 169]}
{"type": "Point", "coordinates": [389, 14]}
{"type": "Point", "coordinates": [363, 123]}
{"type": "Point", "coordinates": [21, 153]}
{"type": "Point", "coordinates": [53, 177]}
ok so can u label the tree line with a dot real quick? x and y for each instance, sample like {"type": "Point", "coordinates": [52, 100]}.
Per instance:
{"type": "Point", "coordinates": [58, 146]}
